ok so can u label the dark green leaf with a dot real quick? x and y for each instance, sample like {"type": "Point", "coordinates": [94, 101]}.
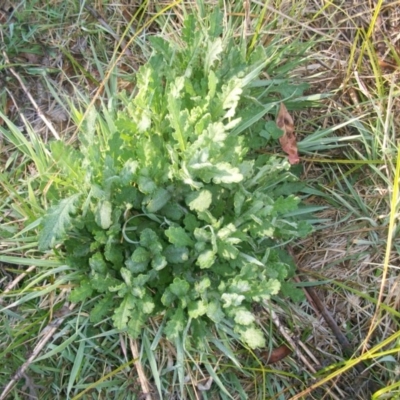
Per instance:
{"type": "Point", "coordinates": [81, 292]}
{"type": "Point", "coordinates": [179, 287]}
{"type": "Point", "coordinates": [179, 237]}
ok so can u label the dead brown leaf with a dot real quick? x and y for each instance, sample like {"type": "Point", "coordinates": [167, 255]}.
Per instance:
{"type": "Point", "coordinates": [288, 141]}
{"type": "Point", "coordinates": [277, 354]}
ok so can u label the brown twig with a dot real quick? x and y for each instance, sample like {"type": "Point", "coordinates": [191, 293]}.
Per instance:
{"type": "Point", "coordinates": [316, 302]}
{"type": "Point", "coordinates": [341, 338]}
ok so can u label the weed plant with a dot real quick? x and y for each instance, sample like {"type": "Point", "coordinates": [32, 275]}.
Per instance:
{"type": "Point", "coordinates": [166, 220]}
{"type": "Point", "coordinates": [166, 210]}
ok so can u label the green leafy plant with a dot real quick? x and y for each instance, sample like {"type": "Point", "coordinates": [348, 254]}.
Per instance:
{"type": "Point", "coordinates": [169, 209]}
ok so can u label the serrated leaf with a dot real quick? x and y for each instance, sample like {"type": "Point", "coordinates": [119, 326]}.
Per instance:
{"type": "Point", "coordinates": [178, 236]}
{"type": "Point", "coordinates": [126, 276]}
{"type": "Point", "coordinates": [179, 287]}
{"type": "Point", "coordinates": [197, 308]}
{"type": "Point", "coordinates": [143, 120]}
{"type": "Point", "coordinates": [199, 201]}
{"type": "Point", "coordinates": [177, 117]}
{"type": "Point", "coordinates": [138, 292]}
{"type": "Point", "coordinates": [244, 317]}
{"type": "Point", "coordinates": [167, 298]}
{"type": "Point", "coordinates": [176, 255]}
{"type": "Point", "coordinates": [103, 283]}
{"type": "Point", "coordinates": [147, 305]}
{"type": "Point", "coordinates": [56, 222]}
{"type": "Point", "coordinates": [81, 292]}
{"type": "Point", "coordinates": [97, 263]}
{"type": "Point", "coordinates": [101, 309]}
{"type": "Point", "coordinates": [230, 97]}
{"type": "Point", "coordinates": [135, 324]}
{"type": "Point", "coordinates": [232, 299]}
{"type": "Point", "coordinates": [124, 312]}
{"type": "Point", "coordinates": [214, 49]}
{"type": "Point", "coordinates": [203, 235]}
{"type": "Point", "coordinates": [68, 158]}
{"type": "Point", "coordinates": [223, 172]}
{"type": "Point", "coordinates": [175, 325]}
{"type": "Point", "coordinates": [212, 86]}
{"type": "Point", "coordinates": [226, 231]}
{"type": "Point", "coordinates": [141, 279]}
{"type": "Point", "coordinates": [149, 239]}
{"type": "Point", "coordinates": [267, 289]}
{"type": "Point", "coordinates": [161, 46]}
{"type": "Point", "coordinates": [206, 259]}
{"type": "Point", "coordinates": [158, 200]}
{"type": "Point", "coordinates": [271, 131]}
{"type": "Point", "coordinates": [202, 285]}
{"type": "Point", "coordinates": [253, 337]}
{"type": "Point", "coordinates": [139, 260]}
{"type": "Point", "coordinates": [284, 205]}
{"type": "Point", "coordinates": [289, 290]}
{"type": "Point", "coordinates": [214, 312]}
{"type": "Point", "coordinates": [103, 214]}
{"type": "Point", "coordinates": [159, 262]}
{"type": "Point", "coordinates": [239, 285]}
{"type": "Point", "coordinates": [227, 251]}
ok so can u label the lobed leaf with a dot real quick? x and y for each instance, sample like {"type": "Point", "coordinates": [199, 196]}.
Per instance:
{"type": "Point", "coordinates": [56, 222]}
{"type": "Point", "coordinates": [179, 237]}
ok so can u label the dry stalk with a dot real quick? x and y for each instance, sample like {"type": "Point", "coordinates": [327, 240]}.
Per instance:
{"type": "Point", "coordinates": [14, 283]}
{"type": "Point", "coordinates": [31, 99]}
{"type": "Point", "coordinates": [142, 377]}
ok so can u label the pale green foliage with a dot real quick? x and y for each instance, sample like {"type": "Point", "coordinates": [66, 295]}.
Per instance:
{"type": "Point", "coordinates": [57, 221]}
{"type": "Point", "coordinates": [180, 216]}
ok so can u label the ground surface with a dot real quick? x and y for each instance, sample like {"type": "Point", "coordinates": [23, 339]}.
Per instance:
{"type": "Point", "coordinates": [58, 54]}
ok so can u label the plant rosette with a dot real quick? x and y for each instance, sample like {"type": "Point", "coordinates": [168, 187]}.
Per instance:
{"type": "Point", "coordinates": [171, 210]}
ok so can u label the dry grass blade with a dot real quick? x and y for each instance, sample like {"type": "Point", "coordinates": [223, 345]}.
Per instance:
{"type": "Point", "coordinates": [46, 334]}
{"type": "Point", "coordinates": [392, 222]}
{"type": "Point", "coordinates": [356, 59]}
{"type": "Point", "coordinates": [15, 282]}
{"type": "Point", "coordinates": [31, 99]}
{"type": "Point", "coordinates": [144, 383]}
{"type": "Point", "coordinates": [290, 340]}
{"type": "Point", "coordinates": [123, 45]}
